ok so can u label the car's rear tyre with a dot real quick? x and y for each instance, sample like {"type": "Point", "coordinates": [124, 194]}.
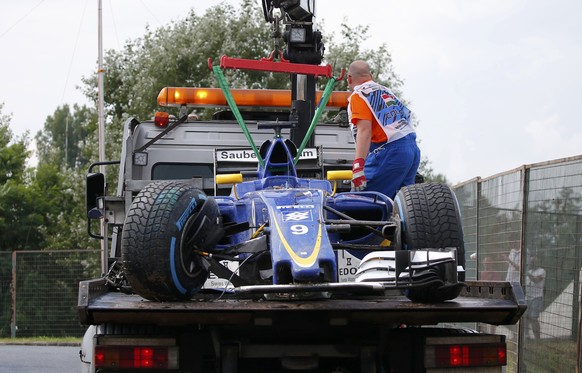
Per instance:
{"type": "Point", "coordinates": [430, 218]}
{"type": "Point", "coordinates": [165, 223]}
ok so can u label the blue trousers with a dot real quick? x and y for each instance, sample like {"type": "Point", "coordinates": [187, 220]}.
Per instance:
{"type": "Point", "coordinates": [391, 166]}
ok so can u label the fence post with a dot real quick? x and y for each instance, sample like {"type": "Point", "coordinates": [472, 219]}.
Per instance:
{"type": "Point", "coordinates": [13, 298]}
{"type": "Point", "coordinates": [478, 224]}
{"type": "Point", "coordinates": [577, 293]}
{"type": "Point", "coordinates": [524, 172]}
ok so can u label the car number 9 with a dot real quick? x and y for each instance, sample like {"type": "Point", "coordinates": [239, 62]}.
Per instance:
{"type": "Point", "coordinates": [299, 229]}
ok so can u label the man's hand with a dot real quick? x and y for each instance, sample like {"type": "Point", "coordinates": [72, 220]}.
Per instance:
{"type": "Point", "coordinates": [358, 177]}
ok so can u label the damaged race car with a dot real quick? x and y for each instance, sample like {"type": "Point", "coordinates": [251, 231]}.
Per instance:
{"type": "Point", "coordinates": [280, 234]}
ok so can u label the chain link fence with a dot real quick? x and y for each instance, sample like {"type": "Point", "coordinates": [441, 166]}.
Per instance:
{"type": "Point", "coordinates": [525, 225]}
{"type": "Point", "coordinates": [39, 289]}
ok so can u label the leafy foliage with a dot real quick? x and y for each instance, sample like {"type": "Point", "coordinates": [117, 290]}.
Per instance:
{"type": "Point", "coordinates": [65, 135]}
{"type": "Point", "coordinates": [18, 213]}
{"type": "Point", "coordinates": [13, 152]}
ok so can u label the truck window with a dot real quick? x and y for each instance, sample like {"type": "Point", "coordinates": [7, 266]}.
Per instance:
{"type": "Point", "coordinates": [171, 171]}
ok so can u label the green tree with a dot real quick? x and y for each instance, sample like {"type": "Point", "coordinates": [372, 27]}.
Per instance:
{"type": "Point", "coordinates": [40, 208]}
{"type": "Point", "coordinates": [13, 152]}
{"type": "Point", "coordinates": [18, 214]}
{"type": "Point", "coordinates": [65, 135]}
{"type": "Point", "coordinates": [64, 151]}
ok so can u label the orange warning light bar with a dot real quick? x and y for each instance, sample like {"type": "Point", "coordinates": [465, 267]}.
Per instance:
{"type": "Point", "coordinates": [204, 97]}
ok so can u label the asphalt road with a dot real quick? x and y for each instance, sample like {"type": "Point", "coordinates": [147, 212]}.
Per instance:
{"type": "Point", "coordinates": [39, 359]}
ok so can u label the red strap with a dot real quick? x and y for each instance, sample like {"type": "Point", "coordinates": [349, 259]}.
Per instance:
{"type": "Point", "coordinates": [267, 64]}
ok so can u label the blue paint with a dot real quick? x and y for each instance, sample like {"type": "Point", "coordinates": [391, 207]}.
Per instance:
{"type": "Point", "coordinates": [402, 221]}
{"type": "Point", "coordinates": [177, 283]}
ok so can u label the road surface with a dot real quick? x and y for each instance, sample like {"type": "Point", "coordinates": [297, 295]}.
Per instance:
{"type": "Point", "coordinates": [39, 359]}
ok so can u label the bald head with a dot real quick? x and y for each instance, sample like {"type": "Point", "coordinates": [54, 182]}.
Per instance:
{"type": "Point", "coordinates": [358, 73]}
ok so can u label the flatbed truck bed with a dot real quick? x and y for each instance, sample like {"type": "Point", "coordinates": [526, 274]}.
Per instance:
{"type": "Point", "coordinates": [498, 303]}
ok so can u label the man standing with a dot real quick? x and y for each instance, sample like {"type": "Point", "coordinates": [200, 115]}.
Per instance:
{"type": "Point", "coordinates": [387, 156]}
{"type": "Point", "coordinates": [535, 283]}
{"type": "Point", "coordinates": [514, 260]}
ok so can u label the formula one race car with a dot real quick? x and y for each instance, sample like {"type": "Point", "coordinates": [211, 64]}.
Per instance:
{"type": "Point", "coordinates": [283, 234]}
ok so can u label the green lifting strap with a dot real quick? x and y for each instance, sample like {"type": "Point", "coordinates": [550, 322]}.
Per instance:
{"type": "Point", "coordinates": [230, 100]}
{"type": "Point", "coordinates": [322, 103]}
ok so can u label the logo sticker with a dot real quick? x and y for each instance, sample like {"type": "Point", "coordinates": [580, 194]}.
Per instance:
{"type": "Point", "coordinates": [388, 99]}
{"type": "Point", "coordinates": [296, 215]}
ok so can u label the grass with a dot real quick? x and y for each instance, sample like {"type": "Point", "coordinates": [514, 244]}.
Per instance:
{"type": "Point", "coordinates": [41, 340]}
{"type": "Point", "coordinates": [558, 355]}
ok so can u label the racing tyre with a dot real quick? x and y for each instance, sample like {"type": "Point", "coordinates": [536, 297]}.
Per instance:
{"type": "Point", "coordinates": [165, 223]}
{"type": "Point", "coordinates": [430, 218]}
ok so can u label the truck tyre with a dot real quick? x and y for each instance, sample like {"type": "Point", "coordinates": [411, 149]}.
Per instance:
{"type": "Point", "coordinates": [430, 218]}
{"type": "Point", "coordinates": [165, 223]}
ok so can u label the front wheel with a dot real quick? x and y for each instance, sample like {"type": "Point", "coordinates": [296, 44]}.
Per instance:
{"type": "Point", "coordinates": [430, 219]}
{"type": "Point", "coordinates": [165, 223]}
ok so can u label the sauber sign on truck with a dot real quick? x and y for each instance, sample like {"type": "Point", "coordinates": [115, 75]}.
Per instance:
{"type": "Point", "coordinates": [247, 155]}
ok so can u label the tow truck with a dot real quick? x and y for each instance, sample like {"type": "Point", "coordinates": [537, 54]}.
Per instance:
{"type": "Point", "coordinates": [225, 256]}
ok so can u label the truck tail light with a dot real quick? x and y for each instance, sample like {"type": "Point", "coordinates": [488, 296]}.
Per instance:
{"type": "Point", "coordinates": [134, 353]}
{"type": "Point", "coordinates": [161, 119]}
{"type": "Point", "coordinates": [465, 355]}
{"type": "Point", "coordinates": [468, 350]}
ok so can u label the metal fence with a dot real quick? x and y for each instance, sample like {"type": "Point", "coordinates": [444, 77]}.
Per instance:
{"type": "Point", "coordinates": [531, 216]}
{"type": "Point", "coordinates": [39, 289]}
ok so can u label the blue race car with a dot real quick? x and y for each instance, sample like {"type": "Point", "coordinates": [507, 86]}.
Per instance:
{"type": "Point", "coordinates": [284, 233]}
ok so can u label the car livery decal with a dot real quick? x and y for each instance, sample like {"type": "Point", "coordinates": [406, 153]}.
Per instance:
{"type": "Point", "coordinates": [299, 260]}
